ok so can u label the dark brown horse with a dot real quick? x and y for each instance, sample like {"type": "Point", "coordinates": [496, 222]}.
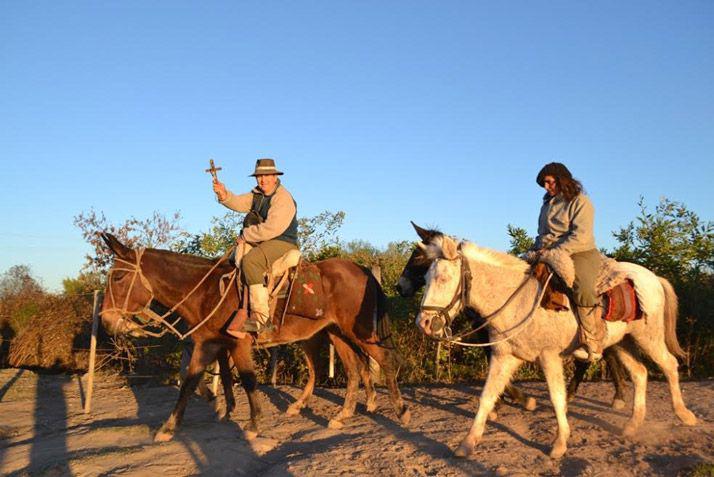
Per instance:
{"type": "Point", "coordinates": [354, 314]}
{"type": "Point", "coordinates": [412, 279]}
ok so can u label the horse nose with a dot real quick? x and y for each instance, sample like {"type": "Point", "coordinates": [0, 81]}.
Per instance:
{"type": "Point", "coordinates": [424, 323]}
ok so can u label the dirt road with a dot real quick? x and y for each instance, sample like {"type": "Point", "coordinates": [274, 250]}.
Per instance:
{"type": "Point", "coordinates": [43, 431]}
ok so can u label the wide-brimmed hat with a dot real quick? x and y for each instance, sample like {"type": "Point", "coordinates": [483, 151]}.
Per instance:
{"type": "Point", "coordinates": [264, 167]}
{"type": "Point", "coordinates": [555, 169]}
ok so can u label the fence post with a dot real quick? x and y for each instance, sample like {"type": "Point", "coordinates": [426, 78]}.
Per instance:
{"type": "Point", "coordinates": [375, 372]}
{"type": "Point", "coordinates": [92, 353]}
{"type": "Point", "coordinates": [274, 366]}
{"type": "Point", "coordinates": [437, 363]}
{"type": "Point", "coordinates": [331, 373]}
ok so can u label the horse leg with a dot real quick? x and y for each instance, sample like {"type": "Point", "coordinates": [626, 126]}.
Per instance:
{"type": "Point", "coordinates": [516, 394]}
{"type": "Point", "coordinates": [310, 347]}
{"type": "Point", "coordinates": [387, 360]}
{"type": "Point", "coordinates": [581, 367]}
{"type": "Point", "coordinates": [618, 378]}
{"type": "Point", "coordinates": [243, 360]}
{"type": "Point", "coordinates": [658, 352]}
{"type": "Point", "coordinates": [552, 365]}
{"type": "Point", "coordinates": [224, 368]}
{"type": "Point", "coordinates": [351, 362]}
{"type": "Point", "coordinates": [500, 370]}
{"type": "Point", "coordinates": [370, 393]}
{"type": "Point", "coordinates": [638, 373]}
{"type": "Point", "coordinates": [202, 356]}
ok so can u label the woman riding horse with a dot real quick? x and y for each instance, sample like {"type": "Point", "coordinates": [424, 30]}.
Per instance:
{"type": "Point", "coordinates": [566, 224]}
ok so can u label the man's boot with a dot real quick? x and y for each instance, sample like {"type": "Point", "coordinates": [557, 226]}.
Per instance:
{"type": "Point", "coordinates": [259, 319]}
{"type": "Point", "coordinates": [591, 333]}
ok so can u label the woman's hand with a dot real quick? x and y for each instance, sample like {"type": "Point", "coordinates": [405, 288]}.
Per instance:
{"type": "Point", "coordinates": [220, 190]}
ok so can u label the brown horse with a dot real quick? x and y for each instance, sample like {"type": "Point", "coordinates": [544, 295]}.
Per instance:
{"type": "Point", "coordinates": [354, 314]}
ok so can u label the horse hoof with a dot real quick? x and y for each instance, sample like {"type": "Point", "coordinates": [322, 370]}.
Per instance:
{"type": "Point", "coordinates": [464, 450]}
{"type": "Point", "coordinates": [335, 424]}
{"type": "Point", "coordinates": [618, 404]}
{"type": "Point", "coordinates": [293, 411]}
{"type": "Point", "coordinates": [688, 418]}
{"type": "Point", "coordinates": [530, 404]}
{"type": "Point", "coordinates": [558, 451]}
{"type": "Point", "coordinates": [250, 435]}
{"type": "Point", "coordinates": [405, 417]}
{"type": "Point", "coordinates": [492, 416]}
{"type": "Point", "coordinates": [371, 406]}
{"type": "Point", "coordinates": [163, 436]}
{"type": "Point", "coordinates": [629, 430]}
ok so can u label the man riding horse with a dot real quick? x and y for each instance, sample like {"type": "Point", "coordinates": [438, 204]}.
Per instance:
{"type": "Point", "coordinates": [271, 229]}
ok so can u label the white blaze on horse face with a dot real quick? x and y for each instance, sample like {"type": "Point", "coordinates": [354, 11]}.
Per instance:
{"type": "Point", "coordinates": [442, 283]}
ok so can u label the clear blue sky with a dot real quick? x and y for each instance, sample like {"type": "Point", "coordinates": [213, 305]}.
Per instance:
{"type": "Point", "coordinates": [440, 112]}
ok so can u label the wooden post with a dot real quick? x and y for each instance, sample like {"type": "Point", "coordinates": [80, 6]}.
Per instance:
{"type": "Point", "coordinates": [214, 384]}
{"type": "Point", "coordinates": [274, 366]}
{"type": "Point", "coordinates": [331, 373]}
{"type": "Point", "coordinates": [92, 353]}
{"type": "Point", "coordinates": [375, 372]}
{"type": "Point", "coordinates": [436, 360]}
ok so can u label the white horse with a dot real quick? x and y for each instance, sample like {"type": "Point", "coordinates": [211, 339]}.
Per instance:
{"type": "Point", "coordinates": [499, 287]}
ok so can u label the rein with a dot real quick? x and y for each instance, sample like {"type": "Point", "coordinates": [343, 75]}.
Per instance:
{"type": "Point", "coordinates": [463, 292]}
{"type": "Point", "coordinates": [135, 268]}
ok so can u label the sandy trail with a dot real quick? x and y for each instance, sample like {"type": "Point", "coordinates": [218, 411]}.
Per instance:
{"type": "Point", "coordinates": [43, 431]}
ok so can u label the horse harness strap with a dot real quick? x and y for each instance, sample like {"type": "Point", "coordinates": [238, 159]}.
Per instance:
{"type": "Point", "coordinates": [462, 294]}
{"type": "Point", "coordinates": [135, 268]}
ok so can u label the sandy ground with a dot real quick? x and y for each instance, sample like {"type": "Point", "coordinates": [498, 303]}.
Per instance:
{"type": "Point", "coordinates": [43, 431]}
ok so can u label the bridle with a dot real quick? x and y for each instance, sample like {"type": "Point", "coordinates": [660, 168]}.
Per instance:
{"type": "Point", "coordinates": [146, 311]}
{"type": "Point", "coordinates": [462, 295]}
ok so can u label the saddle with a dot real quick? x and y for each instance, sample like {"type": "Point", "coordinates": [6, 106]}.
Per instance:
{"type": "Point", "coordinates": [617, 292]}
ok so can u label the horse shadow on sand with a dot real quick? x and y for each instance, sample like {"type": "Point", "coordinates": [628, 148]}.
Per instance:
{"type": "Point", "coordinates": [423, 443]}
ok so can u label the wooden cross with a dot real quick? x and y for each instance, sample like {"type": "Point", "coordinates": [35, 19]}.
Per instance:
{"type": "Point", "coordinates": [213, 169]}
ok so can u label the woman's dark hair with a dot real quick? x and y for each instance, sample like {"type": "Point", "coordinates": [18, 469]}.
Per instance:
{"type": "Point", "coordinates": [567, 185]}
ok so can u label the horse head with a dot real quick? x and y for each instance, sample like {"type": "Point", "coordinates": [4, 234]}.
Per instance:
{"type": "Point", "coordinates": [443, 299]}
{"type": "Point", "coordinates": [127, 292]}
{"type": "Point", "coordinates": [412, 277]}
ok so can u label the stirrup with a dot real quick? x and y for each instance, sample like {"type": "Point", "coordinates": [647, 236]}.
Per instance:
{"type": "Point", "coordinates": [254, 326]}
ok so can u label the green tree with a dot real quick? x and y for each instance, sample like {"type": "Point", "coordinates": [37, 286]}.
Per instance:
{"type": "Point", "coordinates": [520, 241]}
{"type": "Point", "coordinates": [672, 241]}
{"type": "Point", "coordinates": [156, 231]}
{"type": "Point", "coordinates": [675, 243]}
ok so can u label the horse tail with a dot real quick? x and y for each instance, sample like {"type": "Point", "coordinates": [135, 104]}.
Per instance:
{"type": "Point", "coordinates": [380, 321]}
{"type": "Point", "coordinates": [671, 309]}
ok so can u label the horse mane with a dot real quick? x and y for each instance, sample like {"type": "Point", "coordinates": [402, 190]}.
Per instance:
{"type": "Point", "coordinates": [184, 259]}
{"type": "Point", "coordinates": [492, 257]}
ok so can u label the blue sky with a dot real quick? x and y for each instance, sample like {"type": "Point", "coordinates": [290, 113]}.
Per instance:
{"type": "Point", "coordinates": [438, 112]}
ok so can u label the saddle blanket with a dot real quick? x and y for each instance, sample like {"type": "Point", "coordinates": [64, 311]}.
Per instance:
{"type": "Point", "coordinates": [307, 297]}
{"type": "Point", "coordinates": [620, 303]}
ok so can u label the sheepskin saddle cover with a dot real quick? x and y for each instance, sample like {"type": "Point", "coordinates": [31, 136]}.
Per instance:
{"type": "Point", "coordinates": [616, 289]}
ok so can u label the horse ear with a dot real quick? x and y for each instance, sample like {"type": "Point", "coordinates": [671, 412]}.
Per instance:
{"type": "Point", "coordinates": [449, 248]}
{"type": "Point", "coordinates": [422, 233]}
{"type": "Point", "coordinates": [117, 248]}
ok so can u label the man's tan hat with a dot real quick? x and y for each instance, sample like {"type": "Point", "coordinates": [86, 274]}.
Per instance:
{"type": "Point", "coordinates": [265, 167]}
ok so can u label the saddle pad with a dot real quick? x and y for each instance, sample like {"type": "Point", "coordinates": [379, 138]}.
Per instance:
{"type": "Point", "coordinates": [307, 297]}
{"type": "Point", "coordinates": [621, 303]}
